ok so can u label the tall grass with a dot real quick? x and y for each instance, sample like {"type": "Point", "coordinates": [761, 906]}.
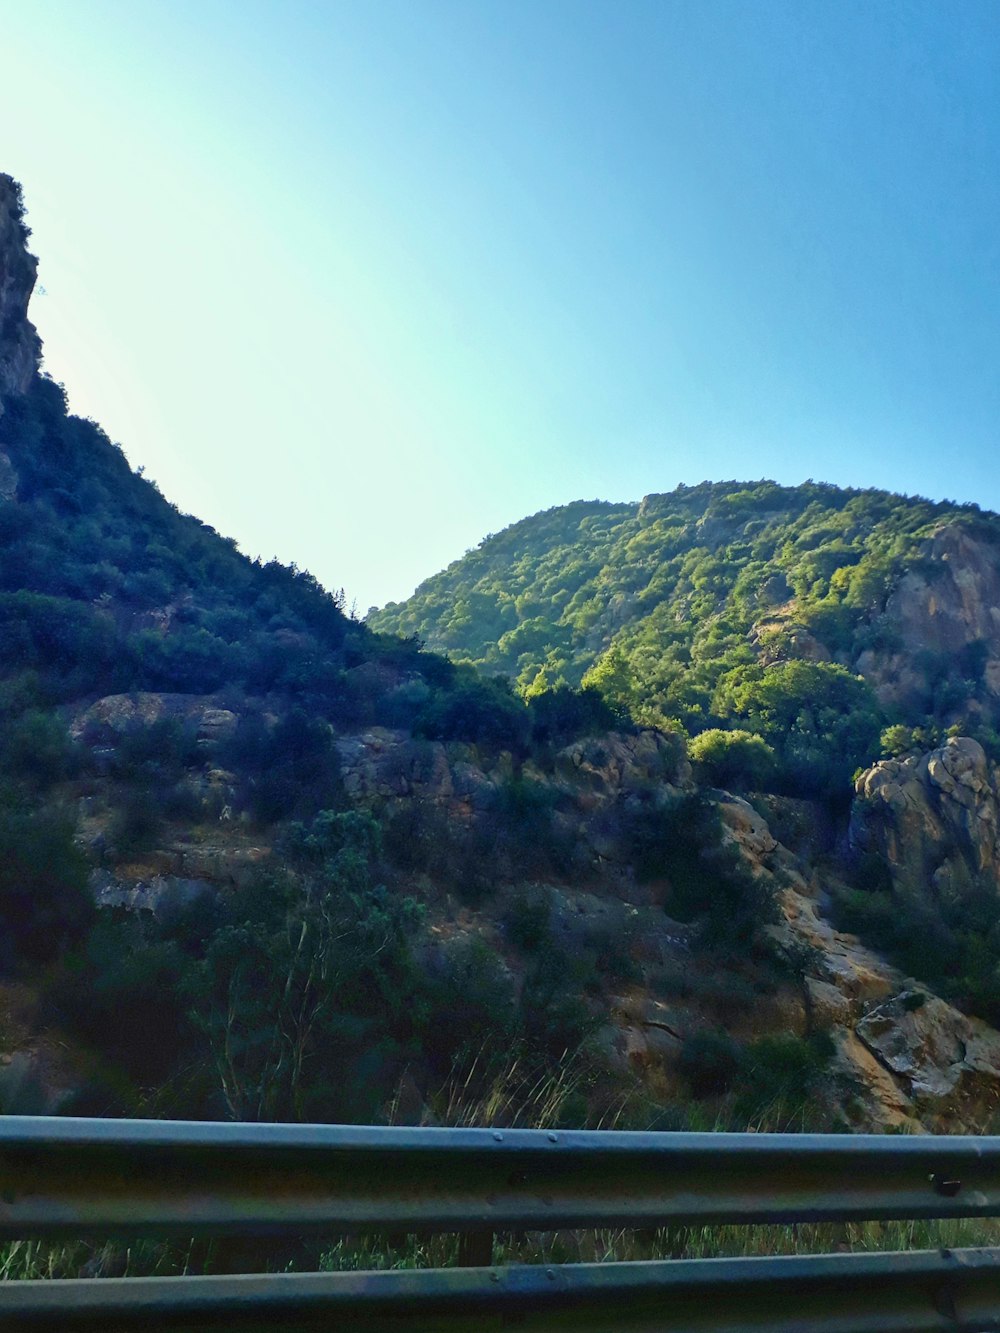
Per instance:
{"type": "Point", "coordinates": [513, 1096]}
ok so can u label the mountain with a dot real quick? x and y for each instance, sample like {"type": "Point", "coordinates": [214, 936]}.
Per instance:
{"type": "Point", "coordinates": [741, 605]}
{"type": "Point", "coordinates": [259, 860]}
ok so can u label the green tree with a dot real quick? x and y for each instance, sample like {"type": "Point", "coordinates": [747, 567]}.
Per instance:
{"type": "Point", "coordinates": [732, 758]}
{"type": "Point", "coordinates": [45, 902]}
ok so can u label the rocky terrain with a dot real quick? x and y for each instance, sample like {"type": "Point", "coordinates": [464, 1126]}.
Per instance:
{"type": "Point", "coordinates": [932, 819]}
{"type": "Point", "coordinates": [258, 858]}
{"type": "Point", "coordinates": [19, 346]}
{"type": "Point", "coordinates": [904, 1058]}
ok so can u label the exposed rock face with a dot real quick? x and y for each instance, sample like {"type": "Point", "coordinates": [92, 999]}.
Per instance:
{"type": "Point", "coordinates": [933, 819]}
{"type": "Point", "coordinates": [159, 894]}
{"type": "Point", "coordinates": [19, 345]}
{"type": "Point", "coordinates": [955, 599]}
{"type": "Point", "coordinates": [947, 605]}
{"type": "Point", "coordinates": [115, 715]}
{"type": "Point", "coordinates": [941, 1057]}
{"type": "Point", "coordinates": [904, 1058]}
{"type": "Point", "coordinates": [747, 830]}
{"type": "Point", "coordinates": [385, 763]}
{"type": "Point", "coordinates": [617, 762]}
{"type": "Point", "coordinates": [8, 477]}
{"type": "Point", "coordinates": [592, 785]}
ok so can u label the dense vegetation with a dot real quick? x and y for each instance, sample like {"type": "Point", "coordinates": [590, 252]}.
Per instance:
{"type": "Point", "coordinates": [397, 939]}
{"type": "Point", "coordinates": [105, 587]}
{"type": "Point", "coordinates": [312, 990]}
{"type": "Point", "coordinates": [721, 606]}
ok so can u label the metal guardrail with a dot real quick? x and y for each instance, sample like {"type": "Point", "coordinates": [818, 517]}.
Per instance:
{"type": "Point", "coordinates": [842, 1293]}
{"type": "Point", "coordinates": [71, 1178]}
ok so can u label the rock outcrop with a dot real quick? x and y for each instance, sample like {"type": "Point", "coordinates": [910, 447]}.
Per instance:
{"type": "Point", "coordinates": [905, 1059]}
{"type": "Point", "coordinates": [116, 715]}
{"type": "Point", "coordinates": [590, 782]}
{"type": "Point", "coordinates": [944, 612]}
{"type": "Point", "coordinates": [933, 820]}
{"type": "Point", "coordinates": [20, 348]}
{"type": "Point", "coordinates": [384, 763]}
{"type": "Point", "coordinates": [942, 1058]}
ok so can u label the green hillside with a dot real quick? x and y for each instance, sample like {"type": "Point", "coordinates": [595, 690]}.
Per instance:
{"type": "Point", "coordinates": [724, 604]}
{"type": "Point", "coordinates": [259, 860]}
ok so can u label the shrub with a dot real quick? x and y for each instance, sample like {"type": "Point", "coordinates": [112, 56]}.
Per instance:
{"type": "Point", "coordinates": [37, 748]}
{"type": "Point", "coordinates": [137, 823]}
{"type": "Point", "coordinates": [330, 836]}
{"type": "Point", "coordinates": [473, 1007]}
{"type": "Point", "coordinates": [526, 920]}
{"type": "Point", "coordinates": [122, 995]}
{"type": "Point", "coordinates": [160, 751]}
{"type": "Point", "coordinates": [710, 1061]}
{"type": "Point", "coordinates": [45, 903]}
{"type": "Point", "coordinates": [732, 758]}
{"type": "Point", "coordinates": [479, 711]}
{"type": "Point", "coordinates": [293, 769]}
{"type": "Point", "coordinates": [561, 714]}
{"type": "Point", "coordinates": [681, 843]}
{"type": "Point", "coordinates": [783, 1070]}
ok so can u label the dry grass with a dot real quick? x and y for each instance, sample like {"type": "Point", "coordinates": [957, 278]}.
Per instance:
{"type": "Point", "coordinates": [511, 1097]}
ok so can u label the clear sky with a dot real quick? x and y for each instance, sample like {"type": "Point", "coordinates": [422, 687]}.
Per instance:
{"type": "Point", "coordinates": [358, 281]}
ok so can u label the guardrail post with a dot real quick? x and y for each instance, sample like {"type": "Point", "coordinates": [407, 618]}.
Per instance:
{"type": "Point", "coordinates": [475, 1249]}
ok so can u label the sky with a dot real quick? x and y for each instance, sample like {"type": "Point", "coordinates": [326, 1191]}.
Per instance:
{"type": "Point", "coordinates": [358, 282]}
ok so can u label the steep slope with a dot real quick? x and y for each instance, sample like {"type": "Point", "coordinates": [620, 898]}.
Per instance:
{"type": "Point", "coordinates": [258, 860]}
{"type": "Point", "coordinates": [167, 710]}
{"type": "Point", "coordinates": [692, 604]}
{"type": "Point", "coordinates": [19, 347]}
{"type": "Point", "coordinates": [105, 587]}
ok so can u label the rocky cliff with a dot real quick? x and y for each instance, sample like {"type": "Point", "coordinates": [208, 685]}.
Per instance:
{"type": "Point", "coordinates": [19, 345]}
{"type": "Point", "coordinates": [941, 623]}
{"type": "Point", "coordinates": [904, 1058]}
{"type": "Point", "coordinates": [932, 820]}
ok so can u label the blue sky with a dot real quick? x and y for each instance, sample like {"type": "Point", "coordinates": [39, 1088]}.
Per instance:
{"type": "Point", "coordinates": [360, 282]}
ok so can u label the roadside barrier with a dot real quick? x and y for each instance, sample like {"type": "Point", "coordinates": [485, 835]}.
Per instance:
{"type": "Point", "coordinates": [64, 1178]}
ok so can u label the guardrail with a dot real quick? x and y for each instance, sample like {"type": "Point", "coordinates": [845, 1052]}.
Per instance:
{"type": "Point", "coordinates": [70, 1178]}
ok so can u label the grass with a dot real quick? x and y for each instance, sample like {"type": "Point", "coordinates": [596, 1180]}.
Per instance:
{"type": "Point", "coordinates": [675, 1242]}
{"type": "Point", "coordinates": [510, 1097]}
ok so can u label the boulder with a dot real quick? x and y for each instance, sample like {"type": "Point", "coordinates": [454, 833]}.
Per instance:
{"type": "Point", "coordinates": [115, 715]}
{"type": "Point", "coordinates": [932, 818]}
{"type": "Point", "coordinates": [159, 894]}
{"type": "Point", "coordinates": [618, 762]}
{"type": "Point", "coordinates": [942, 1058]}
{"type": "Point", "coordinates": [745, 829]}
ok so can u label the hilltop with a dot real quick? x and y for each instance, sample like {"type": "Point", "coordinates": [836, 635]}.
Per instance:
{"type": "Point", "coordinates": [741, 605]}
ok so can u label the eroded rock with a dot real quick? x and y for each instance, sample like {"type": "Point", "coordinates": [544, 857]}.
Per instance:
{"type": "Point", "coordinates": [932, 819]}
{"type": "Point", "coordinates": [943, 1059]}
{"type": "Point", "coordinates": [115, 715]}
{"type": "Point", "coordinates": [744, 828]}
{"type": "Point", "coordinates": [20, 348]}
